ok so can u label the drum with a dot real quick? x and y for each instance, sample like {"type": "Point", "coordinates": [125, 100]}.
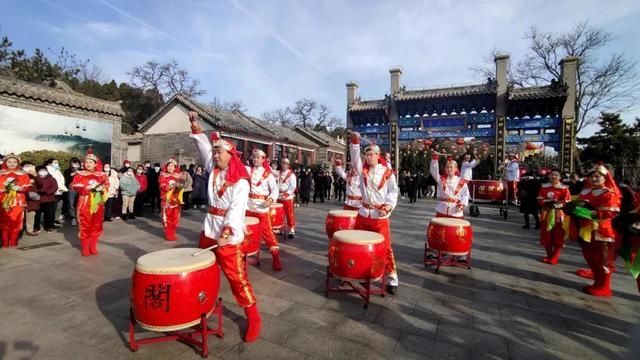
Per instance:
{"type": "Point", "coordinates": [339, 220]}
{"type": "Point", "coordinates": [277, 216]}
{"type": "Point", "coordinates": [356, 255]}
{"type": "Point", "coordinates": [251, 243]}
{"type": "Point", "coordinates": [171, 289]}
{"type": "Point", "coordinates": [450, 236]}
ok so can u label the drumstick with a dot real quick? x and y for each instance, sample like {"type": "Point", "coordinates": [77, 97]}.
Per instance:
{"type": "Point", "coordinates": [204, 250]}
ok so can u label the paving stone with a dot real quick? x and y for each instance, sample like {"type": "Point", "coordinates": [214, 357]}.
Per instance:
{"type": "Point", "coordinates": [321, 344]}
{"type": "Point", "coordinates": [262, 350]}
{"type": "Point", "coordinates": [312, 317]}
{"type": "Point", "coordinates": [373, 335]}
{"type": "Point", "coordinates": [477, 341]}
{"type": "Point", "coordinates": [420, 348]}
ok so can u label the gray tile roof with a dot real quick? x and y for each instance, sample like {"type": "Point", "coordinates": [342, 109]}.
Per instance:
{"type": "Point", "coordinates": [480, 89]}
{"type": "Point", "coordinates": [282, 133]}
{"type": "Point", "coordinates": [537, 92]}
{"type": "Point", "coordinates": [64, 97]}
{"type": "Point", "coordinates": [368, 105]}
{"type": "Point", "coordinates": [321, 138]}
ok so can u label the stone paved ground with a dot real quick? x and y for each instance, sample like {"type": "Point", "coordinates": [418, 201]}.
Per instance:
{"type": "Point", "coordinates": [55, 304]}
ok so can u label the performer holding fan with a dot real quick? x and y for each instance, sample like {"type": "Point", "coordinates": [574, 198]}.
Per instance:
{"type": "Point", "coordinates": [228, 193]}
{"type": "Point", "coordinates": [171, 190]}
{"type": "Point", "coordinates": [552, 197]}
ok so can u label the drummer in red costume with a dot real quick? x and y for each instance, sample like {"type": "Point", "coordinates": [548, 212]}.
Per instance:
{"type": "Point", "coordinates": [264, 192]}
{"type": "Point", "coordinates": [13, 185]}
{"type": "Point", "coordinates": [92, 186]}
{"type": "Point", "coordinates": [354, 195]}
{"type": "Point", "coordinates": [598, 238]}
{"type": "Point", "coordinates": [288, 183]}
{"type": "Point", "coordinates": [453, 192]}
{"type": "Point", "coordinates": [228, 193]}
{"type": "Point", "coordinates": [379, 197]}
{"type": "Point", "coordinates": [552, 197]}
{"type": "Point", "coordinates": [171, 189]}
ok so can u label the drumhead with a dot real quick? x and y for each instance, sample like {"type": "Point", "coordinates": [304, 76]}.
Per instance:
{"type": "Point", "coordinates": [249, 220]}
{"type": "Point", "coordinates": [343, 213]}
{"type": "Point", "coordinates": [358, 237]}
{"type": "Point", "coordinates": [276, 205]}
{"type": "Point", "coordinates": [450, 222]}
{"type": "Point", "coordinates": [174, 261]}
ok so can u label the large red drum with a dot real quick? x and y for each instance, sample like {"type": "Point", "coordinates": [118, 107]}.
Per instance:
{"type": "Point", "coordinates": [251, 243]}
{"type": "Point", "coordinates": [171, 289]}
{"type": "Point", "coordinates": [356, 255]}
{"type": "Point", "coordinates": [339, 220]}
{"type": "Point", "coordinates": [450, 236]}
{"type": "Point", "coordinates": [277, 216]}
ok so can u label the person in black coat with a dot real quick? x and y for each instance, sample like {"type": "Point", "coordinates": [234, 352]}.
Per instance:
{"type": "Point", "coordinates": [528, 189]}
{"type": "Point", "coordinates": [200, 182]}
{"type": "Point", "coordinates": [413, 183]}
{"type": "Point", "coordinates": [153, 187]}
{"type": "Point", "coordinates": [306, 183]}
{"type": "Point", "coordinates": [320, 185]}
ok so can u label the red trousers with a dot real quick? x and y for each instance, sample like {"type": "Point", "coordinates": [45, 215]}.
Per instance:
{"type": "Point", "coordinates": [89, 225]}
{"type": "Point", "coordinates": [231, 260]}
{"type": "Point", "coordinates": [289, 213]}
{"type": "Point", "coordinates": [348, 207]}
{"type": "Point", "coordinates": [11, 225]}
{"type": "Point", "coordinates": [266, 230]}
{"type": "Point", "coordinates": [170, 221]}
{"type": "Point", "coordinates": [553, 238]}
{"type": "Point", "coordinates": [381, 226]}
{"type": "Point", "coordinates": [600, 255]}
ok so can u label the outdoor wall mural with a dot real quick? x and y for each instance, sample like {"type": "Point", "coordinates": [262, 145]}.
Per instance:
{"type": "Point", "coordinates": [26, 130]}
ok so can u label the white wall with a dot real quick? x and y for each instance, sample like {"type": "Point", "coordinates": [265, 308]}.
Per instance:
{"type": "Point", "coordinates": [176, 120]}
{"type": "Point", "coordinates": [133, 153]}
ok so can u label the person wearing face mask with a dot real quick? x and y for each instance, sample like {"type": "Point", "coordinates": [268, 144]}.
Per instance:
{"type": "Point", "coordinates": [129, 187]}
{"type": "Point", "coordinates": [92, 186]}
{"type": "Point", "coordinates": [53, 168]}
{"type": "Point", "coordinates": [13, 185]}
{"type": "Point", "coordinates": [171, 192]}
{"type": "Point", "coordinates": [33, 198]}
{"type": "Point", "coordinates": [72, 195]}
{"type": "Point", "coordinates": [153, 187]}
{"type": "Point", "coordinates": [141, 196]}
{"type": "Point", "coordinates": [126, 165]}
{"type": "Point", "coordinates": [114, 185]}
{"type": "Point", "coordinates": [47, 188]}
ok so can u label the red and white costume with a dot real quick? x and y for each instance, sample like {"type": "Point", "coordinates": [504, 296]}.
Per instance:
{"type": "Point", "coordinates": [354, 195]}
{"type": "Point", "coordinates": [171, 200]}
{"type": "Point", "coordinates": [287, 188]}
{"type": "Point", "coordinates": [379, 191]}
{"type": "Point", "coordinates": [453, 192]}
{"type": "Point", "coordinates": [264, 187]}
{"type": "Point", "coordinates": [466, 169]}
{"type": "Point", "coordinates": [599, 240]}
{"type": "Point", "coordinates": [14, 184]}
{"type": "Point", "coordinates": [551, 199]}
{"type": "Point", "coordinates": [93, 190]}
{"type": "Point", "coordinates": [512, 175]}
{"type": "Point", "coordinates": [228, 192]}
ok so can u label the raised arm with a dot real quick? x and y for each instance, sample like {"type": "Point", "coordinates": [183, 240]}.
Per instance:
{"type": "Point", "coordinates": [434, 168]}
{"type": "Point", "coordinates": [202, 142]}
{"type": "Point", "coordinates": [340, 170]}
{"type": "Point", "coordinates": [354, 152]}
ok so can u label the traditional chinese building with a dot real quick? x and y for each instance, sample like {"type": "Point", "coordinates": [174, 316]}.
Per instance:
{"type": "Point", "coordinates": [493, 112]}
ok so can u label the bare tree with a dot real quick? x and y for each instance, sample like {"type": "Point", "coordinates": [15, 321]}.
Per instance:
{"type": "Point", "coordinates": [233, 105]}
{"type": "Point", "coordinates": [165, 79]}
{"type": "Point", "coordinates": [280, 117]}
{"type": "Point", "coordinates": [607, 84]}
{"type": "Point", "coordinates": [303, 112]}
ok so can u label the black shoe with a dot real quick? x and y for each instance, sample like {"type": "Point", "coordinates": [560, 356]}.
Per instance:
{"type": "Point", "coordinates": [526, 227]}
{"type": "Point", "coordinates": [109, 220]}
{"type": "Point", "coordinates": [124, 217]}
{"type": "Point", "coordinates": [132, 216]}
{"type": "Point", "coordinates": [291, 236]}
{"type": "Point", "coordinates": [393, 290]}
{"type": "Point", "coordinates": [537, 226]}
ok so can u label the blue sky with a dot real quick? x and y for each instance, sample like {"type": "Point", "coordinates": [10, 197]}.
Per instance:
{"type": "Point", "coordinates": [271, 53]}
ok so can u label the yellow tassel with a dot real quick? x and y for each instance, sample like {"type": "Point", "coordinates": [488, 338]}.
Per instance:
{"type": "Point", "coordinates": [566, 226]}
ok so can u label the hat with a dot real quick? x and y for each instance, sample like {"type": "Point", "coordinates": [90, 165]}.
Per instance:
{"type": "Point", "coordinates": [258, 152]}
{"type": "Point", "coordinates": [286, 161]}
{"type": "Point", "coordinates": [372, 147]}
{"type": "Point", "coordinates": [91, 156]}
{"type": "Point", "coordinates": [219, 142]}
{"type": "Point", "coordinates": [7, 157]}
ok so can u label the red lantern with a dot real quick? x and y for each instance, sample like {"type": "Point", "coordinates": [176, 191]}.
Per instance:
{"type": "Point", "coordinates": [460, 141]}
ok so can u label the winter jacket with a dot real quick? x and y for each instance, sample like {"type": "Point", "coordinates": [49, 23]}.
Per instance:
{"type": "Point", "coordinates": [59, 178]}
{"type": "Point", "coordinates": [142, 180]}
{"type": "Point", "coordinates": [129, 186]}
{"type": "Point", "coordinates": [32, 205]}
{"type": "Point", "coordinates": [114, 183]}
{"type": "Point", "coordinates": [153, 182]}
{"type": "Point", "coordinates": [188, 182]}
{"type": "Point", "coordinates": [200, 186]}
{"type": "Point", "coordinates": [47, 188]}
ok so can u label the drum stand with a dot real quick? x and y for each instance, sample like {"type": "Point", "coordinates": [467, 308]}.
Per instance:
{"type": "Point", "coordinates": [365, 290]}
{"type": "Point", "coordinates": [445, 259]}
{"type": "Point", "coordinates": [187, 336]}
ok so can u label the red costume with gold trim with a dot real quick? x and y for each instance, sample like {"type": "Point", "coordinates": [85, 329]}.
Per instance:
{"type": "Point", "coordinates": [287, 184]}
{"type": "Point", "coordinates": [171, 185]}
{"type": "Point", "coordinates": [598, 238]}
{"type": "Point", "coordinates": [551, 199]}
{"type": "Point", "coordinates": [92, 188]}
{"type": "Point", "coordinates": [228, 192]}
{"type": "Point", "coordinates": [13, 186]}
